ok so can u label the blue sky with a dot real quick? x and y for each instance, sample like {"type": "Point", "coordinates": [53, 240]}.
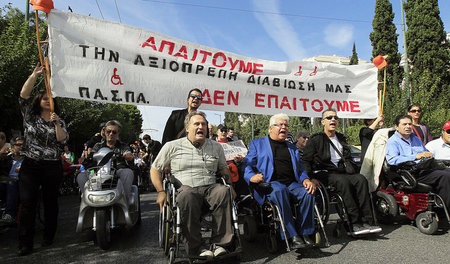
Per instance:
{"type": "Point", "coordinates": [278, 30]}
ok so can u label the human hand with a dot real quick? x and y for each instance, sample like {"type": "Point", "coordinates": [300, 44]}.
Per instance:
{"type": "Point", "coordinates": [257, 178]}
{"type": "Point", "coordinates": [238, 159]}
{"type": "Point", "coordinates": [161, 200]}
{"type": "Point", "coordinates": [309, 186]}
{"type": "Point", "coordinates": [425, 155]}
{"type": "Point", "coordinates": [54, 117]}
{"type": "Point", "coordinates": [38, 69]}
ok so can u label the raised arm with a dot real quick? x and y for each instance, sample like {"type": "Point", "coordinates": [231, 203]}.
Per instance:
{"type": "Point", "coordinates": [27, 87]}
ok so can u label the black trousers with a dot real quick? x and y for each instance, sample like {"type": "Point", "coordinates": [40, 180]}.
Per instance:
{"type": "Point", "coordinates": [355, 192]}
{"type": "Point", "coordinates": [33, 175]}
{"type": "Point", "coordinates": [440, 181]}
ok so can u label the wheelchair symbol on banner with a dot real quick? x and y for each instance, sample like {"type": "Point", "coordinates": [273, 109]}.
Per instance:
{"type": "Point", "coordinates": [115, 78]}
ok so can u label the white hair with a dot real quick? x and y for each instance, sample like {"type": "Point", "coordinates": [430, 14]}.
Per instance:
{"type": "Point", "coordinates": [278, 116]}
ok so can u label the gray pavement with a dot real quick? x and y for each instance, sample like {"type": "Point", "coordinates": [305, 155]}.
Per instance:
{"type": "Point", "coordinates": [399, 243]}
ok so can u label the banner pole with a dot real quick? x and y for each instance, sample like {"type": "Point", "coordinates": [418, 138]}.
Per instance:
{"type": "Point", "coordinates": [384, 90]}
{"type": "Point", "coordinates": [44, 64]}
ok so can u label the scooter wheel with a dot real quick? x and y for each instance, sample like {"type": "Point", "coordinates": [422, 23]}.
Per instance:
{"type": "Point", "coordinates": [103, 229]}
{"type": "Point", "coordinates": [427, 222]}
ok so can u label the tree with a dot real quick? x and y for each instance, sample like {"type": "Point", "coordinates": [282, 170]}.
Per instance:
{"type": "Point", "coordinates": [354, 58]}
{"type": "Point", "coordinates": [18, 57]}
{"type": "Point", "coordinates": [429, 54]}
{"type": "Point", "coordinates": [384, 42]}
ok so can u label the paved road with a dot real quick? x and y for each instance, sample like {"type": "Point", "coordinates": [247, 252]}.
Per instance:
{"type": "Point", "coordinates": [400, 243]}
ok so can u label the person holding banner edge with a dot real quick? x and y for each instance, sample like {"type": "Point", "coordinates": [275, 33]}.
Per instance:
{"type": "Point", "coordinates": [44, 133]}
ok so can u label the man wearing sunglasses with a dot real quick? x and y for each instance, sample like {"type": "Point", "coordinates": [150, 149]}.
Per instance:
{"type": "Point", "coordinates": [175, 124]}
{"type": "Point", "coordinates": [123, 153]}
{"type": "Point", "coordinates": [441, 147]}
{"type": "Point", "coordinates": [326, 157]}
{"type": "Point", "coordinates": [302, 138]}
{"type": "Point", "coordinates": [10, 166]}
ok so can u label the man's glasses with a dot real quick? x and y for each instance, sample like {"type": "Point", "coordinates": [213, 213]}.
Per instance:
{"type": "Point", "coordinates": [280, 125]}
{"type": "Point", "coordinates": [19, 145]}
{"type": "Point", "coordinates": [447, 131]}
{"type": "Point", "coordinates": [305, 137]}
{"type": "Point", "coordinates": [332, 117]}
{"type": "Point", "coordinates": [111, 131]}
{"type": "Point", "coordinates": [223, 130]}
{"type": "Point", "coordinates": [415, 111]}
{"type": "Point", "coordinates": [194, 96]}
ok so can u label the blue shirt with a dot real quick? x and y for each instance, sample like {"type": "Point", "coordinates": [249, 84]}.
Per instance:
{"type": "Point", "coordinates": [15, 165]}
{"type": "Point", "coordinates": [399, 150]}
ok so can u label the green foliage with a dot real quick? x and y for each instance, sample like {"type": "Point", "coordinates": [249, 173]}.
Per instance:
{"type": "Point", "coordinates": [354, 58]}
{"type": "Point", "coordinates": [84, 117]}
{"type": "Point", "coordinates": [18, 57]}
{"type": "Point", "coordinates": [429, 54]}
{"type": "Point", "coordinates": [384, 42]}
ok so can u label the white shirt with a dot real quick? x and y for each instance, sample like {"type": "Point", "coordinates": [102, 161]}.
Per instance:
{"type": "Point", "coordinates": [440, 149]}
{"type": "Point", "coordinates": [335, 157]}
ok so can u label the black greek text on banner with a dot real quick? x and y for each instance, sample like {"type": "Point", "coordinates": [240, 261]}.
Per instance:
{"type": "Point", "coordinates": [97, 60]}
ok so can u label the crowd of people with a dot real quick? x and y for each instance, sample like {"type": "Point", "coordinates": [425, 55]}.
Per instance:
{"type": "Point", "coordinates": [193, 154]}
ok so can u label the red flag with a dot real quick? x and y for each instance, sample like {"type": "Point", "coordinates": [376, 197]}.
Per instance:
{"type": "Point", "coordinates": [380, 61]}
{"type": "Point", "coordinates": [43, 5]}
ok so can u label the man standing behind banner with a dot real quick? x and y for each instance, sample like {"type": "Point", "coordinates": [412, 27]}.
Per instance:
{"type": "Point", "coordinates": [175, 124]}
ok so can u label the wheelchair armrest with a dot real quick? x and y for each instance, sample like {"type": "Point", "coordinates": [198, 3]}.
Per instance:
{"type": "Point", "coordinates": [408, 179]}
{"type": "Point", "coordinates": [407, 165]}
{"type": "Point", "coordinates": [176, 183]}
{"type": "Point", "coordinates": [261, 187]}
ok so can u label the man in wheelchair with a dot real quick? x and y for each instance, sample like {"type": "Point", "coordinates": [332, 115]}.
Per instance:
{"type": "Point", "coordinates": [194, 162]}
{"type": "Point", "coordinates": [405, 146]}
{"type": "Point", "coordinates": [274, 160]}
{"type": "Point", "coordinates": [328, 154]}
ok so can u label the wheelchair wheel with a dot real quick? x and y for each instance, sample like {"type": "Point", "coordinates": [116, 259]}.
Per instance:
{"type": "Point", "coordinates": [166, 230]}
{"type": "Point", "coordinates": [427, 222]}
{"type": "Point", "coordinates": [250, 228]}
{"type": "Point", "coordinates": [386, 207]}
{"type": "Point", "coordinates": [323, 202]}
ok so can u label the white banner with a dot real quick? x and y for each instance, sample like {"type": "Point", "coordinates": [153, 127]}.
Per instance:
{"type": "Point", "coordinates": [98, 60]}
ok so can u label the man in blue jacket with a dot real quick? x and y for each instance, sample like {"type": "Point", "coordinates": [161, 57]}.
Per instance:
{"type": "Point", "coordinates": [273, 159]}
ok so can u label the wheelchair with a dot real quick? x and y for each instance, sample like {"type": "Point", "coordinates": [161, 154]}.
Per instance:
{"type": "Point", "coordinates": [327, 199]}
{"type": "Point", "coordinates": [403, 194]}
{"type": "Point", "coordinates": [268, 219]}
{"type": "Point", "coordinates": [170, 233]}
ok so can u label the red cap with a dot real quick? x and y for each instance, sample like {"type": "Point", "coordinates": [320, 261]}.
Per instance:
{"type": "Point", "coordinates": [43, 5]}
{"type": "Point", "coordinates": [446, 125]}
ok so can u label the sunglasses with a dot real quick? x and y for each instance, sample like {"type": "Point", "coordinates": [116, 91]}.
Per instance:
{"type": "Point", "coordinates": [415, 111]}
{"type": "Point", "coordinates": [305, 137]}
{"type": "Point", "coordinates": [19, 145]}
{"type": "Point", "coordinates": [111, 131]}
{"type": "Point", "coordinates": [194, 96]}
{"type": "Point", "coordinates": [447, 131]}
{"type": "Point", "coordinates": [223, 130]}
{"type": "Point", "coordinates": [331, 117]}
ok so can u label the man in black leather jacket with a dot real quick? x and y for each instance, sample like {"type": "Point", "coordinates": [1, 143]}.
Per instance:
{"type": "Point", "coordinates": [324, 162]}
{"type": "Point", "coordinates": [121, 151]}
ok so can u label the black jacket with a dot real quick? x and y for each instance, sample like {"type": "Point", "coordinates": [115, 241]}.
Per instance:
{"type": "Point", "coordinates": [175, 126]}
{"type": "Point", "coordinates": [317, 156]}
{"type": "Point", "coordinates": [119, 150]}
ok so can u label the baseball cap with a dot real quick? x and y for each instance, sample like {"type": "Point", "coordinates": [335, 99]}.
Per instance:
{"type": "Point", "coordinates": [446, 126]}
